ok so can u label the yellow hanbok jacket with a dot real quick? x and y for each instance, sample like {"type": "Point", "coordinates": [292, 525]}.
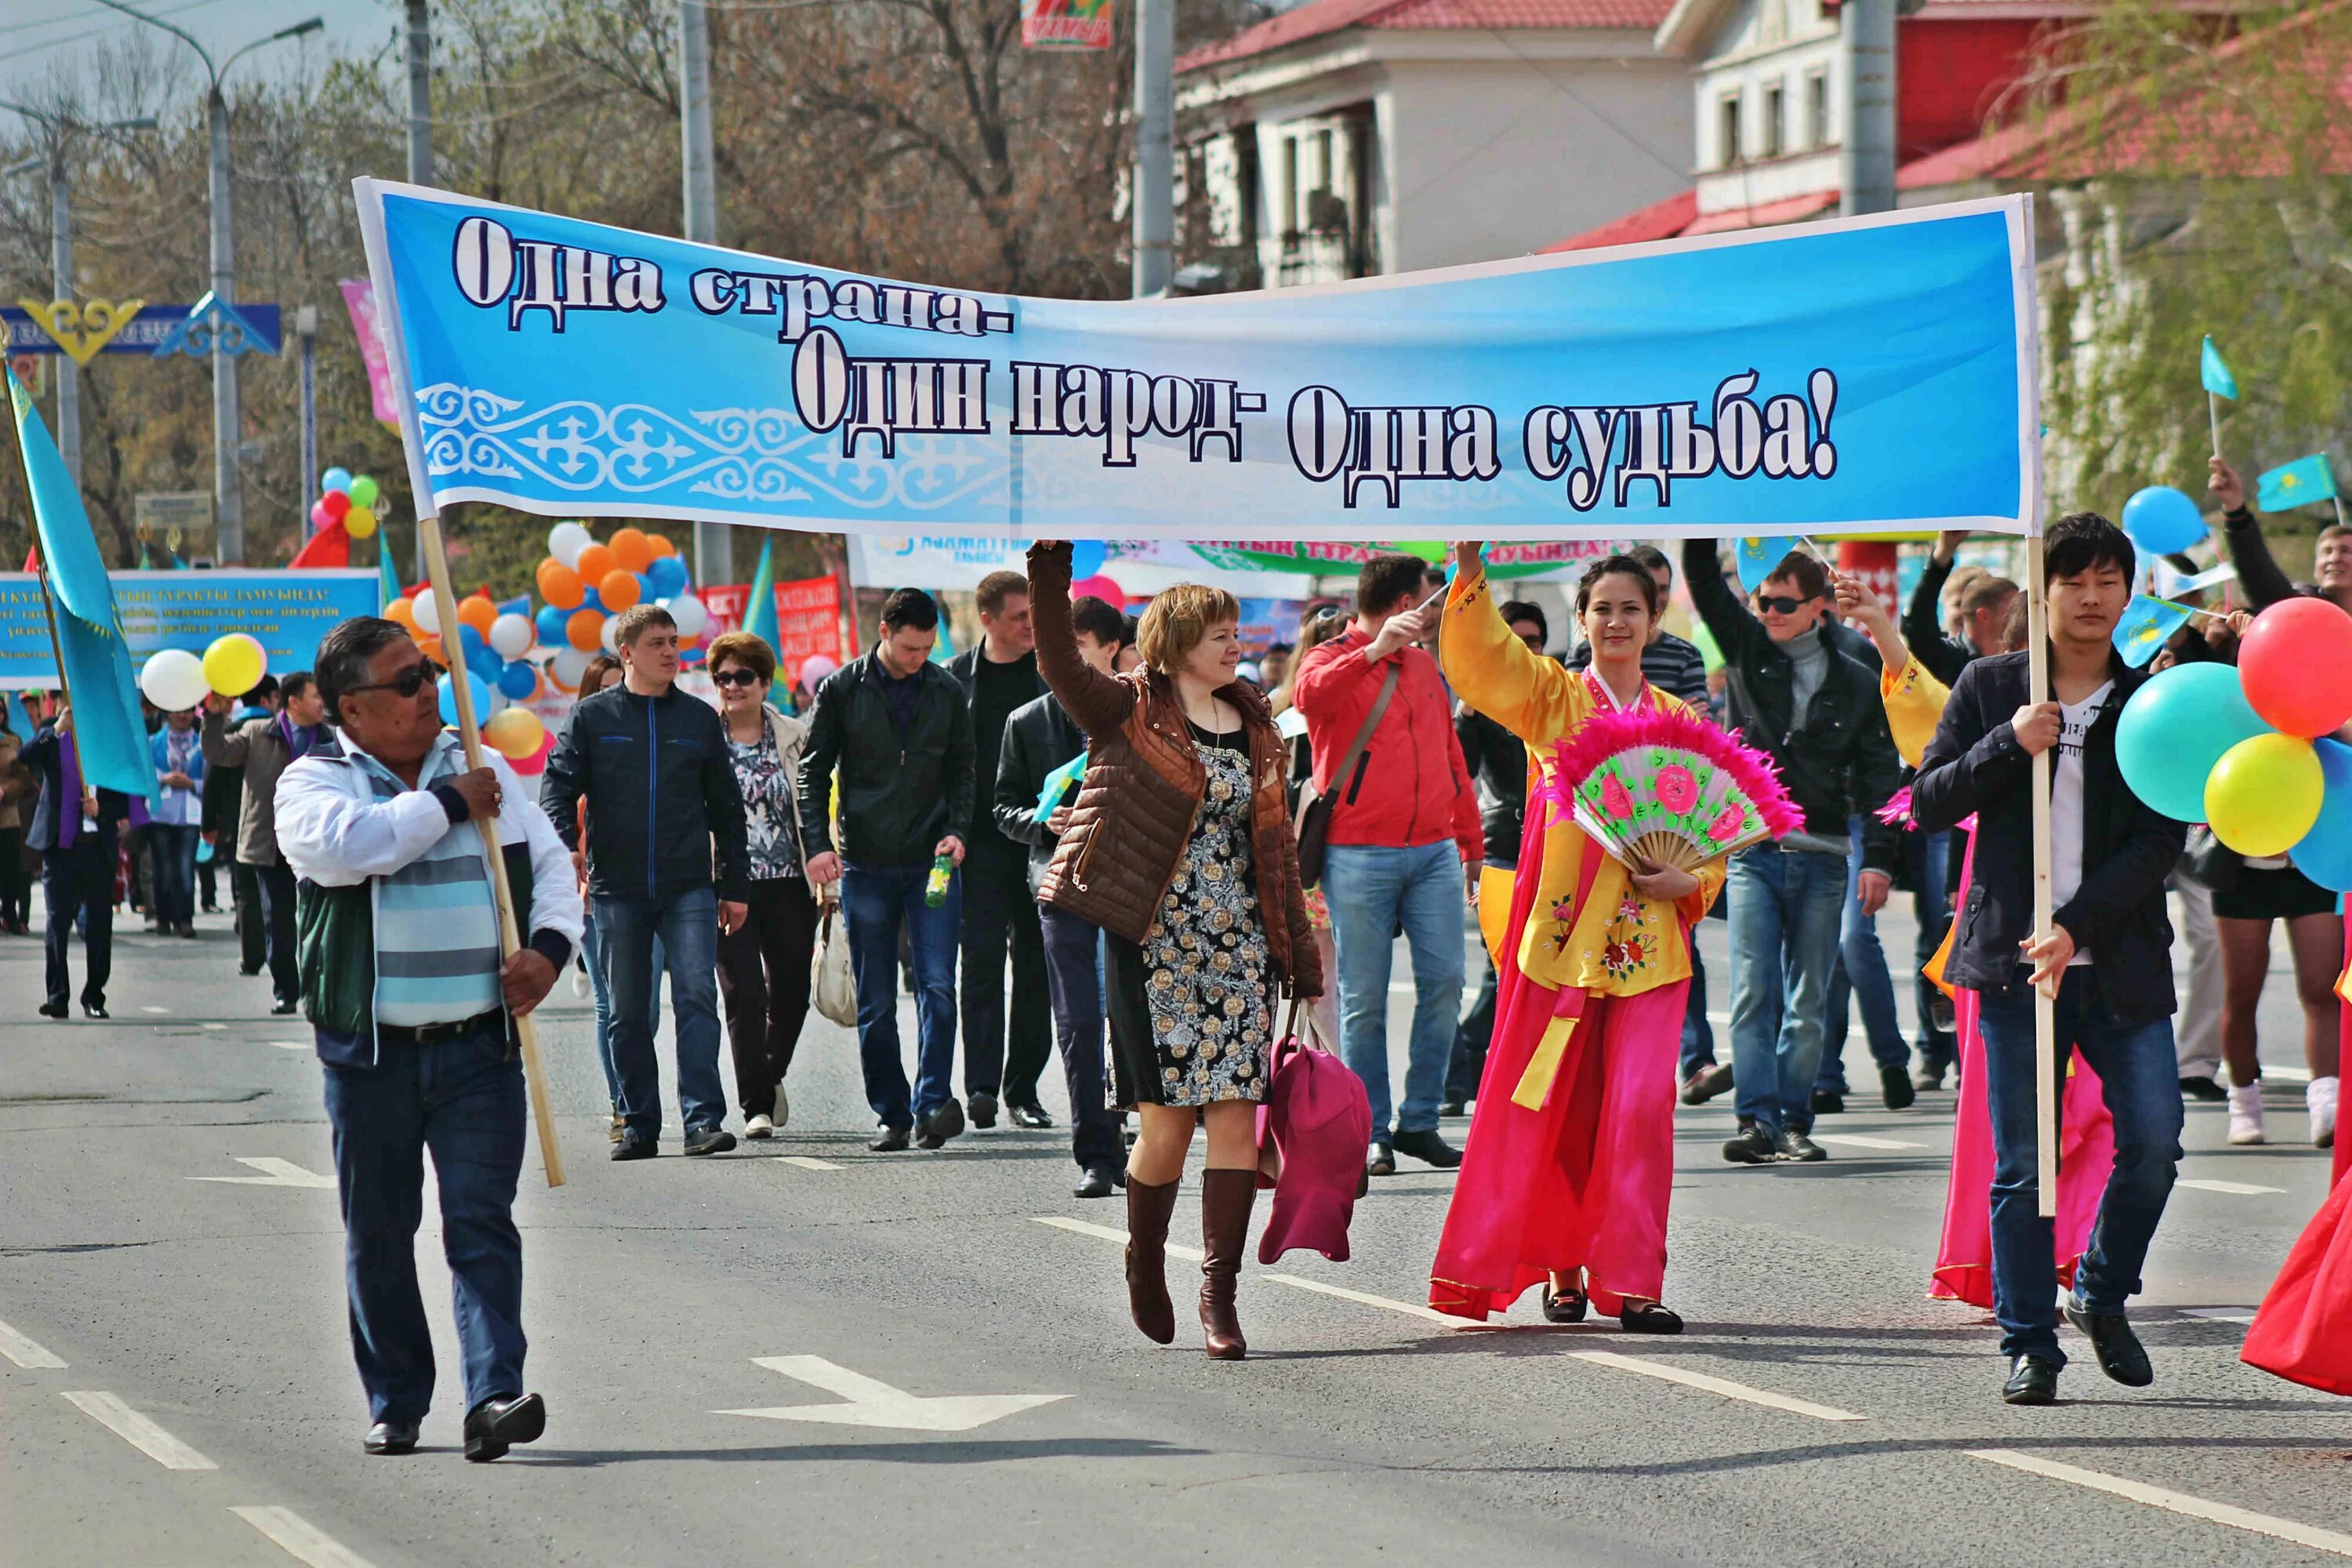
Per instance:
{"type": "Point", "coordinates": [1914, 705]}
{"type": "Point", "coordinates": [1620, 943]}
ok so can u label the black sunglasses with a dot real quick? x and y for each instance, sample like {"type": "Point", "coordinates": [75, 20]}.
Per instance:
{"type": "Point", "coordinates": [1780, 604]}
{"type": "Point", "coordinates": [407, 684]}
{"type": "Point", "coordinates": [735, 678]}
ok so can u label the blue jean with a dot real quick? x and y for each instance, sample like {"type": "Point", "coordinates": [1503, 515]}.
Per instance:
{"type": "Point", "coordinates": [172, 849]}
{"type": "Point", "coordinates": [876, 901]}
{"type": "Point", "coordinates": [462, 1098]}
{"type": "Point", "coordinates": [1371, 891]}
{"type": "Point", "coordinates": [2141, 1080]}
{"type": "Point", "coordinates": [591, 953]}
{"type": "Point", "coordinates": [684, 930]}
{"type": "Point", "coordinates": [1860, 976]}
{"type": "Point", "coordinates": [1784, 937]}
{"type": "Point", "coordinates": [1698, 1034]}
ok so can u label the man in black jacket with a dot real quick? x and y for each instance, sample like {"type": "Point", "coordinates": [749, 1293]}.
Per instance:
{"type": "Point", "coordinates": [998, 674]}
{"type": "Point", "coordinates": [652, 763]}
{"type": "Point", "coordinates": [1984, 612]}
{"type": "Point", "coordinates": [1816, 710]}
{"type": "Point", "coordinates": [2109, 951]}
{"type": "Point", "coordinates": [1040, 738]}
{"type": "Point", "coordinates": [898, 732]}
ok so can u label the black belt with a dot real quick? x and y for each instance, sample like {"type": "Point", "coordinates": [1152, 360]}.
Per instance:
{"type": "Point", "coordinates": [430, 1033]}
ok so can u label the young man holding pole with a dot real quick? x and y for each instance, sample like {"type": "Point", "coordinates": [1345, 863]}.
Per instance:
{"type": "Point", "coordinates": [2106, 954]}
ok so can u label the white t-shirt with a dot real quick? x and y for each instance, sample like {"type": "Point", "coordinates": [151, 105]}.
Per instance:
{"type": "Point", "coordinates": [2074, 720]}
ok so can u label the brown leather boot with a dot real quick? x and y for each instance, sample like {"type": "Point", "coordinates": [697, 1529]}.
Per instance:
{"type": "Point", "coordinates": [1226, 1199]}
{"type": "Point", "coordinates": [1148, 1208]}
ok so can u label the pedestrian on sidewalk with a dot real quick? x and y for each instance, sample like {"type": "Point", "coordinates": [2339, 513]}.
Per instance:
{"type": "Point", "coordinates": [1180, 848]}
{"type": "Point", "coordinates": [763, 964]}
{"type": "Point", "coordinates": [1040, 739]}
{"type": "Point", "coordinates": [224, 804]}
{"type": "Point", "coordinates": [79, 832]}
{"type": "Point", "coordinates": [412, 1011]}
{"type": "Point", "coordinates": [177, 821]}
{"type": "Point", "coordinates": [666, 858]}
{"type": "Point", "coordinates": [2108, 952]}
{"type": "Point", "coordinates": [263, 746]}
{"type": "Point", "coordinates": [1405, 845]}
{"type": "Point", "coordinates": [1004, 1052]}
{"type": "Point", "coordinates": [891, 731]}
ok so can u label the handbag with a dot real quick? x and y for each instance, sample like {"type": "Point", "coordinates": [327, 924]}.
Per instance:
{"type": "Point", "coordinates": [832, 987]}
{"type": "Point", "coordinates": [1313, 1130]}
{"type": "Point", "coordinates": [1312, 825]}
{"type": "Point", "coordinates": [2210, 863]}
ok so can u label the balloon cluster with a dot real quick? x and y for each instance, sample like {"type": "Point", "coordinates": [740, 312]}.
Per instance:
{"type": "Point", "coordinates": [2240, 749]}
{"type": "Point", "coordinates": [175, 680]}
{"type": "Point", "coordinates": [346, 500]}
{"type": "Point", "coordinates": [585, 584]}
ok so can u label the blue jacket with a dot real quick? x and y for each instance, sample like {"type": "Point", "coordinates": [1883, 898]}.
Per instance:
{"type": "Point", "coordinates": [159, 746]}
{"type": "Point", "coordinates": [661, 796]}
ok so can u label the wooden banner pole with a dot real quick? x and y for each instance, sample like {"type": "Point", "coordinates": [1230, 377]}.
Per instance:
{"type": "Point", "coordinates": [2045, 996]}
{"type": "Point", "coordinates": [453, 646]}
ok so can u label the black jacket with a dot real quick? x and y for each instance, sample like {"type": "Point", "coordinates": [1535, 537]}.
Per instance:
{"type": "Point", "coordinates": [1939, 653]}
{"type": "Point", "coordinates": [661, 794]}
{"type": "Point", "coordinates": [988, 737]}
{"type": "Point", "coordinates": [1039, 737]}
{"type": "Point", "coordinates": [43, 757]}
{"type": "Point", "coordinates": [1498, 760]}
{"type": "Point", "coordinates": [901, 795]}
{"type": "Point", "coordinates": [1838, 759]}
{"type": "Point", "coordinates": [1975, 764]}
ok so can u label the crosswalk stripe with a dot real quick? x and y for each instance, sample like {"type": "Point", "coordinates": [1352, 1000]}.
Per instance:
{"type": "Point", "coordinates": [2220, 1314]}
{"type": "Point", "coordinates": [1105, 1232]}
{"type": "Point", "coordinates": [2235, 1189]}
{"type": "Point", "coordinates": [806, 1161]}
{"type": "Point", "coordinates": [1858, 1140]}
{"type": "Point", "coordinates": [24, 1352]}
{"type": "Point", "coordinates": [2229, 1514]}
{"type": "Point", "coordinates": [1301, 1282]}
{"type": "Point", "coordinates": [1720, 1385]}
{"type": "Point", "coordinates": [139, 1431]}
{"type": "Point", "coordinates": [303, 1542]}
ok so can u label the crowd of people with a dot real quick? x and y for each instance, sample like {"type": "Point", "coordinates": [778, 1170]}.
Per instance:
{"type": "Point", "coordinates": [1082, 837]}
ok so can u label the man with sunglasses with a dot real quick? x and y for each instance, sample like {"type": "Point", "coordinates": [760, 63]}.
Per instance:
{"type": "Point", "coordinates": [1815, 709]}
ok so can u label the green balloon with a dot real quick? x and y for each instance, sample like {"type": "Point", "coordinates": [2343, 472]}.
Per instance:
{"type": "Point", "coordinates": [364, 491]}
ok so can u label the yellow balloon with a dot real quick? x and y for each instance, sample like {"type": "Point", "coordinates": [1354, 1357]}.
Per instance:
{"type": "Point", "coordinates": [360, 521]}
{"type": "Point", "coordinates": [516, 734]}
{"type": "Point", "coordinates": [2263, 794]}
{"type": "Point", "coordinates": [235, 664]}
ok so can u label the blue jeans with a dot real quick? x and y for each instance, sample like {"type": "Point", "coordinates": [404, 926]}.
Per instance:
{"type": "Point", "coordinates": [1860, 976]}
{"type": "Point", "coordinates": [876, 899]}
{"type": "Point", "coordinates": [1371, 891]}
{"type": "Point", "coordinates": [172, 847]}
{"type": "Point", "coordinates": [591, 953]}
{"type": "Point", "coordinates": [684, 931]}
{"type": "Point", "coordinates": [1784, 932]}
{"type": "Point", "coordinates": [2141, 1082]}
{"type": "Point", "coordinates": [462, 1098]}
{"type": "Point", "coordinates": [1698, 1034]}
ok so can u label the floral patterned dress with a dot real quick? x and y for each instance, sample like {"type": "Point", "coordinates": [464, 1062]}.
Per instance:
{"type": "Point", "coordinates": [1192, 1020]}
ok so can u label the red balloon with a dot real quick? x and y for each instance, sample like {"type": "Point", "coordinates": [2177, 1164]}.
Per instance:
{"type": "Point", "coordinates": [335, 503]}
{"type": "Point", "coordinates": [1101, 587]}
{"type": "Point", "coordinates": [2295, 664]}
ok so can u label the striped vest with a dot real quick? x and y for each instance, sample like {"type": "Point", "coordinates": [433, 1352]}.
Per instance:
{"type": "Point", "coordinates": [436, 924]}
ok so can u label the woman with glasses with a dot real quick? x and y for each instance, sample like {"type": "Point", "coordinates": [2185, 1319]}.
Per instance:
{"type": "Point", "coordinates": [763, 964]}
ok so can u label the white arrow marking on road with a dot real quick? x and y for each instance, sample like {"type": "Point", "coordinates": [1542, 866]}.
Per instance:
{"type": "Point", "coordinates": [2235, 1189]}
{"type": "Point", "coordinates": [876, 1404]}
{"type": "Point", "coordinates": [276, 1173]}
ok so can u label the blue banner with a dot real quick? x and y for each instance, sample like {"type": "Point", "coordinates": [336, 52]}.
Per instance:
{"type": "Point", "coordinates": [144, 333]}
{"type": "Point", "coordinates": [1874, 372]}
{"type": "Point", "coordinates": [289, 611]}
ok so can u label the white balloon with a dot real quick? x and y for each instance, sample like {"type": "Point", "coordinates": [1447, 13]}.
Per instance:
{"type": "Point", "coordinates": [511, 635]}
{"type": "Point", "coordinates": [428, 611]}
{"type": "Point", "coordinates": [566, 540]}
{"type": "Point", "coordinates": [173, 680]}
{"type": "Point", "coordinates": [569, 664]}
{"type": "Point", "coordinates": [604, 633]}
{"type": "Point", "coordinates": [690, 614]}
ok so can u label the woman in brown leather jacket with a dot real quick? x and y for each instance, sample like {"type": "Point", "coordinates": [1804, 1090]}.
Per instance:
{"type": "Point", "coordinates": [1180, 848]}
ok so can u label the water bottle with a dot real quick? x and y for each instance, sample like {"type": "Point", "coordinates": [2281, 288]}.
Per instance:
{"type": "Point", "coordinates": [935, 889]}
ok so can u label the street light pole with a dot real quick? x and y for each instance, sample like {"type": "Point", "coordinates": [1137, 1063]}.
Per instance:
{"type": "Point", "coordinates": [714, 545]}
{"type": "Point", "coordinates": [61, 272]}
{"type": "Point", "coordinates": [1155, 146]}
{"type": "Point", "coordinates": [420, 94]}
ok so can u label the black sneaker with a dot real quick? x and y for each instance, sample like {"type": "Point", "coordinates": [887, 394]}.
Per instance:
{"type": "Point", "coordinates": [2032, 1381]}
{"type": "Point", "coordinates": [635, 1146]}
{"type": "Point", "coordinates": [2121, 1355]}
{"type": "Point", "coordinates": [888, 1139]}
{"type": "Point", "coordinates": [2203, 1088]}
{"type": "Point", "coordinates": [1753, 1146]}
{"type": "Point", "coordinates": [1428, 1147]}
{"type": "Point", "coordinates": [1794, 1147]}
{"type": "Point", "coordinates": [1828, 1103]}
{"type": "Point", "coordinates": [939, 1126]}
{"type": "Point", "coordinates": [709, 1141]}
{"type": "Point", "coordinates": [983, 1108]}
{"type": "Point", "coordinates": [1894, 1089]}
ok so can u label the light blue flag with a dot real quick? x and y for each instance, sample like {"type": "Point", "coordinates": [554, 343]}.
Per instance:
{"type": "Point", "coordinates": [1757, 559]}
{"type": "Point", "coordinates": [1049, 796]}
{"type": "Point", "coordinates": [759, 609]}
{"type": "Point", "coordinates": [383, 571]}
{"type": "Point", "coordinates": [2299, 483]}
{"type": "Point", "coordinates": [2146, 623]}
{"type": "Point", "coordinates": [2215, 373]}
{"type": "Point", "coordinates": [109, 732]}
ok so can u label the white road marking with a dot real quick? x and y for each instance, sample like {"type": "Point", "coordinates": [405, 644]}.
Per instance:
{"type": "Point", "coordinates": [276, 1173]}
{"type": "Point", "coordinates": [872, 1402]}
{"type": "Point", "coordinates": [2292, 1075]}
{"type": "Point", "coordinates": [2220, 1314]}
{"type": "Point", "coordinates": [24, 1352]}
{"type": "Point", "coordinates": [806, 1161]}
{"type": "Point", "coordinates": [1723, 1386]}
{"type": "Point", "coordinates": [159, 1012]}
{"type": "Point", "coordinates": [211, 1025]}
{"type": "Point", "coordinates": [1301, 1283]}
{"type": "Point", "coordinates": [2176, 1502]}
{"type": "Point", "coordinates": [1857, 1141]}
{"type": "Point", "coordinates": [291, 1045]}
{"type": "Point", "coordinates": [1105, 1232]}
{"type": "Point", "coordinates": [303, 1542]}
{"type": "Point", "coordinates": [140, 1432]}
{"type": "Point", "coordinates": [2236, 1189]}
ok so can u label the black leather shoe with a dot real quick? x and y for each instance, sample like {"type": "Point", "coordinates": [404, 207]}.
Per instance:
{"type": "Point", "coordinates": [1100, 1181]}
{"type": "Point", "coordinates": [1707, 1083]}
{"type": "Point", "coordinates": [2032, 1381]}
{"type": "Point", "coordinates": [1563, 1306]}
{"type": "Point", "coordinates": [1753, 1146]}
{"type": "Point", "coordinates": [709, 1141]}
{"type": "Point", "coordinates": [2203, 1087]}
{"type": "Point", "coordinates": [391, 1437]}
{"type": "Point", "coordinates": [1452, 1107]}
{"type": "Point", "coordinates": [1650, 1317]}
{"type": "Point", "coordinates": [497, 1424]}
{"type": "Point", "coordinates": [635, 1146]}
{"type": "Point", "coordinates": [939, 1126]}
{"type": "Point", "coordinates": [1430, 1147]}
{"type": "Point", "coordinates": [54, 1009]}
{"type": "Point", "coordinates": [1032, 1116]}
{"type": "Point", "coordinates": [2120, 1354]}
{"type": "Point", "coordinates": [1794, 1147]}
{"type": "Point", "coordinates": [93, 1010]}
{"type": "Point", "coordinates": [1894, 1089]}
{"type": "Point", "coordinates": [1828, 1103]}
{"type": "Point", "coordinates": [983, 1108]}
{"type": "Point", "coordinates": [1379, 1159]}
{"type": "Point", "coordinates": [888, 1139]}
{"type": "Point", "coordinates": [283, 1006]}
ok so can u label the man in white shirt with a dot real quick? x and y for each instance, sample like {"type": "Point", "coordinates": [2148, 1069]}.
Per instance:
{"type": "Point", "coordinates": [412, 1005]}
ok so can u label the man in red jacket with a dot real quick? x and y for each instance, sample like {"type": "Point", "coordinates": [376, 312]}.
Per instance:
{"type": "Point", "coordinates": [1405, 846]}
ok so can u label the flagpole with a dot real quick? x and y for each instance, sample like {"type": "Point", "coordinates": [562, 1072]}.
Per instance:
{"type": "Point", "coordinates": [65, 688]}
{"type": "Point", "coordinates": [2046, 995]}
{"type": "Point", "coordinates": [445, 603]}
{"type": "Point", "coordinates": [2213, 415]}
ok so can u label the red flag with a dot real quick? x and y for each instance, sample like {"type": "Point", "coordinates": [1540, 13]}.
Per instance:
{"type": "Point", "coordinates": [33, 557]}
{"type": "Point", "coordinates": [331, 546]}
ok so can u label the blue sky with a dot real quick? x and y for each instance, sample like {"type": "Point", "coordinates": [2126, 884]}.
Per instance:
{"type": "Point", "coordinates": [39, 36]}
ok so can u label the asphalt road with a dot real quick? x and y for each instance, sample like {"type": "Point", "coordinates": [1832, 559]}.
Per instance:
{"type": "Point", "coordinates": [176, 1387]}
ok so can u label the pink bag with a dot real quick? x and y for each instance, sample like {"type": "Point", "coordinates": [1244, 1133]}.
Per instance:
{"type": "Point", "coordinates": [1313, 1133]}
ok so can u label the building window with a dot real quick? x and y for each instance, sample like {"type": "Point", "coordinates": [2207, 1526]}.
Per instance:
{"type": "Point", "coordinates": [1775, 119]}
{"type": "Point", "coordinates": [1817, 109]}
{"type": "Point", "coordinates": [1729, 148]}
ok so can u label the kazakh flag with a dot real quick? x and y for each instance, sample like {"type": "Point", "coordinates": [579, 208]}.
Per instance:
{"type": "Point", "coordinates": [109, 730]}
{"type": "Point", "coordinates": [387, 577]}
{"type": "Point", "coordinates": [2215, 373]}
{"type": "Point", "coordinates": [2299, 483]}
{"type": "Point", "coordinates": [759, 609]}
{"type": "Point", "coordinates": [1757, 558]}
{"type": "Point", "coordinates": [2146, 623]}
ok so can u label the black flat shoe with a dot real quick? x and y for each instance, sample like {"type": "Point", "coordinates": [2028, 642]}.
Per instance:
{"type": "Point", "coordinates": [1428, 1147]}
{"type": "Point", "coordinates": [93, 1010]}
{"type": "Point", "coordinates": [2032, 1381]}
{"type": "Point", "coordinates": [709, 1141]}
{"type": "Point", "coordinates": [982, 1105]}
{"type": "Point", "coordinates": [391, 1437]}
{"type": "Point", "coordinates": [941, 1125]}
{"type": "Point", "coordinates": [1452, 1107]}
{"type": "Point", "coordinates": [1032, 1117]}
{"type": "Point", "coordinates": [1894, 1089]}
{"type": "Point", "coordinates": [635, 1146]}
{"type": "Point", "coordinates": [1379, 1159]}
{"type": "Point", "coordinates": [1828, 1103]}
{"type": "Point", "coordinates": [888, 1139]}
{"type": "Point", "coordinates": [2203, 1087]}
{"type": "Point", "coordinates": [499, 1423]}
{"type": "Point", "coordinates": [284, 1008]}
{"type": "Point", "coordinates": [1100, 1183]}
{"type": "Point", "coordinates": [1563, 1306]}
{"type": "Point", "coordinates": [2121, 1355]}
{"type": "Point", "coordinates": [1649, 1318]}
{"type": "Point", "coordinates": [53, 1009]}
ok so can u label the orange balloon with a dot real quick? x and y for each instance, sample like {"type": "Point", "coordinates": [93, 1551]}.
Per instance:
{"type": "Point", "coordinates": [559, 586]}
{"type": "Point", "coordinates": [618, 589]}
{"type": "Point", "coordinates": [430, 646]}
{"type": "Point", "coordinates": [401, 614]}
{"type": "Point", "coordinates": [662, 546]}
{"type": "Point", "coordinates": [478, 613]}
{"type": "Point", "coordinates": [631, 549]}
{"type": "Point", "coordinates": [593, 561]}
{"type": "Point", "coordinates": [585, 630]}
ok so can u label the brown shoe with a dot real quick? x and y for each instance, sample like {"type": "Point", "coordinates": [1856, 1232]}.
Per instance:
{"type": "Point", "coordinates": [1148, 1208]}
{"type": "Point", "coordinates": [619, 1127]}
{"type": "Point", "coordinates": [1226, 1199]}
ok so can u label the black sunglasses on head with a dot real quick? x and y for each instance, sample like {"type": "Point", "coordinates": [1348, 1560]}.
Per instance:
{"type": "Point", "coordinates": [735, 678]}
{"type": "Point", "coordinates": [407, 684]}
{"type": "Point", "coordinates": [1780, 604]}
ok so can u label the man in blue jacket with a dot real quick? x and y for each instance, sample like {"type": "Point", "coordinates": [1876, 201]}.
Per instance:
{"type": "Point", "coordinates": [2108, 952]}
{"type": "Point", "coordinates": [652, 763]}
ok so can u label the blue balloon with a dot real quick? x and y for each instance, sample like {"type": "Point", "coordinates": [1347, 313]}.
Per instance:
{"type": "Point", "coordinates": [2324, 854]}
{"type": "Point", "coordinates": [485, 663]}
{"type": "Point", "coordinates": [593, 602]}
{"type": "Point", "coordinates": [337, 479]}
{"type": "Point", "coordinates": [645, 594]}
{"type": "Point", "coordinates": [551, 624]}
{"type": "Point", "coordinates": [2176, 728]}
{"type": "Point", "coordinates": [517, 680]}
{"type": "Point", "coordinates": [481, 694]}
{"type": "Point", "coordinates": [471, 640]}
{"type": "Point", "coordinates": [2162, 521]}
{"type": "Point", "coordinates": [666, 575]}
{"type": "Point", "coordinates": [1085, 558]}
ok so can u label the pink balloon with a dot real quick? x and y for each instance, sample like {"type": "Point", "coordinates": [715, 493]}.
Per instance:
{"type": "Point", "coordinates": [319, 518]}
{"type": "Point", "coordinates": [1100, 587]}
{"type": "Point", "coordinates": [815, 668]}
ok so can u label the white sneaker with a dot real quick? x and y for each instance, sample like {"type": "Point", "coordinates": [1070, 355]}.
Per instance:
{"type": "Point", "coordinates": [2246, 1113]}
{"type": "Point", "coordinates": [579, 981]}
{"type": "Point", "coordinates": [758, 1127]}
{"type": "Point", "coordinates": [2320, 1096]}
{"type": "Point", "coordinates": [784, 1107]}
